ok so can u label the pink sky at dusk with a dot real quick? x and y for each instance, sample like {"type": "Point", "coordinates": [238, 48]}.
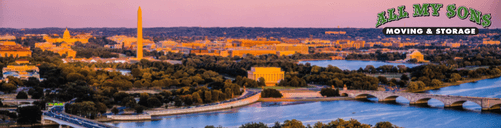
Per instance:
{"type": "Point", "coordinates": [229, 13]}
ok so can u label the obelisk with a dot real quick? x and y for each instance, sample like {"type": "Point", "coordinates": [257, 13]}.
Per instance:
{"type": "Point", "coordinates": [139, 34]}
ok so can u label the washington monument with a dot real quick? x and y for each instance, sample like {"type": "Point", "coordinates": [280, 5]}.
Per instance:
{"type": "Point", "coordinates": [139, 34]}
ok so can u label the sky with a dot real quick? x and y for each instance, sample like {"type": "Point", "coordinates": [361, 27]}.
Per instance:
{"type": "Point", "coordinates": [229, 13]}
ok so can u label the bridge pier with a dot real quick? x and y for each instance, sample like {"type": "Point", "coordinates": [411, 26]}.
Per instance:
{"type": "Point", "coordinates": [486, 109]}
{"type": "Point", "coordinates": [454, 105]}
{"type": "Point", "coordinates": [491, 108]}
{"type": "Point", "coordinates": [361, 97]}
{"type": "Point", "coordinates": [388, 100]}
{"type": "Point", "coordinates": [422, 101]}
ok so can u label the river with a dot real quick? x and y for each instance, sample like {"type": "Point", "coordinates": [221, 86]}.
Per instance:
{"type": "Point", "coordinates": [353, 64]}
{"type": "Point", "coordinates": [371, 112]}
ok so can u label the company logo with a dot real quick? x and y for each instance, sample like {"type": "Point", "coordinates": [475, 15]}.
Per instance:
{"type": "Point", "coordinates": [461, 12]}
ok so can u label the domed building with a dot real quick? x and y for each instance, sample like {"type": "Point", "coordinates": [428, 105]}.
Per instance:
{"type": "Point", "coordinates": [68, 39]}
{"type": "Point", "coordinates": [415, 54]}
{"type": "Point", "coordinates": [66, 34]}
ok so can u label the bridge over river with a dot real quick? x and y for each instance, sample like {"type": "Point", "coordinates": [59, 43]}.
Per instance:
{"type": "Point", "coordinates": [56, 115]}
{"type": "Point", "coordinates": [422, 98]}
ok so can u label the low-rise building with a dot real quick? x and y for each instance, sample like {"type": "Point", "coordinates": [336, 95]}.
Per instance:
{"type": "Point", "coordinates": [15, 50]}
{"type": "Point", "coordinates": [255, 52]}
{"type": "Point", "coordinates": [491, 42]}
{"type": "Point", "coordinates": [335, 32]}
{"type": "Point", "coordinates": [63, 49]}
{"type": "Point", "coordinates": [21, 71]}
{"type": "Point", "coordinates": [271, 75]}
{"type": "Point", "coordinates": [453, 45]}
{"type": "Point", "coordinates": [299, 48]}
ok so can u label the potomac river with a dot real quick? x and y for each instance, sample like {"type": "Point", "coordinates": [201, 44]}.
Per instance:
{"type": "Point", "coordinates": [370, 112]}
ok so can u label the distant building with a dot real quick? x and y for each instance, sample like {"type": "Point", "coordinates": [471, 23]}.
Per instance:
{"type": "Point", "coordinates": [286, 53]}
{"type": "Point", "coordinates": [401, 45]}
{"type": "Point", "coordinates": [453, 45]}
{"type": "Point", "coordinates": [337, 58]}
{"type": "Point", "coordinates": [415, 54]}
{"type": "Point", "coordinates": [83, 38]}
{"type": "Point", "coordinates": [271, 75]}
{"type": "Point", "coordinates": [335, 32]}
{"type": "Point", "coordinates": [122, 41]}
{"type": "Point", "coordinates": [7, 37]}
{"type": "Point", "coordinates": [64, 48]}
{"type": "Point", "coordinates": [255, 52]}
{"type": "Point", "coordinates": [299, 48]}
{"type": "Point", "coordinates": [21, 71]}
{"type": "Point", "coordinates": [7, 43]}
{"type": "Point", "coordinates": [250, 43]}
{"type": "Point", "coordinates": [9, 48]}
{"type": "Point", "coordinates": [491, 42]}
{"type": "Point", "coordinates": [22, 61]}
{"type": "Point", "coordinates": [358, 44]}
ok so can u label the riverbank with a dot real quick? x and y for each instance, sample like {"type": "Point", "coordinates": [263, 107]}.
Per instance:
{"type": "Point", "coordinates": [456, 83]}
{"type": "Point", "coordinates": [221, 106]}
{"type": "Point", "coordinates": [254, 97]}
{"type": "Point", "coordinates": [303, 99]}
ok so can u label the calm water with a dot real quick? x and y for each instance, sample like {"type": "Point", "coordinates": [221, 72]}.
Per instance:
{"type": "Point", "coordinates": [353, 64]}
{"type": "Point", "coordinates": [400, 113]}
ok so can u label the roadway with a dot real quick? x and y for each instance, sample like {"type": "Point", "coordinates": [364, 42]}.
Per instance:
{"type": "Point", "coordinates": [57, 112]}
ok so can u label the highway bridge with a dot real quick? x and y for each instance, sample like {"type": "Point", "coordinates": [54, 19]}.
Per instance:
{"type": "Point", "coordinates": [19, 101]}
{"type": "Point", "coordinates": [56, 114]}
{"type": "Point", "coordinates": [422, 98]}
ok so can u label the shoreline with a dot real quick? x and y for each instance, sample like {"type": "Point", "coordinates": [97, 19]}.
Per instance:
{"type": "Point", "coordinates": [259, 100]}
{"type": "Point", "coordinates": [154, 113]}
{"type": "Point", "coordinates": [362, 60]}
{"type": "Point", "coordinates": [455, 83]}
{"type": "Point", "coordinates": [305, 99]}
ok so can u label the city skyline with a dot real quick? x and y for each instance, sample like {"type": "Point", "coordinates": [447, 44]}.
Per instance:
{"type": "Point", "coordinates": [223, 13]}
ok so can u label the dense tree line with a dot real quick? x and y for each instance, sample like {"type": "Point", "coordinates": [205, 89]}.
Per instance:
{"type": "Point", "coordinates": [480, 56]}
{"type": "Point", "coordinates": [329, 92]}
{"type": "Point", "coordinates": [273, 93]}
{"type": "Point", "coordinates": [383, 69]}
{"type": "Point", "coordinates": [435, 75]}
{"type": "Point", "coordinates": [484, 55]}
{"type": "Point", "coordinates": [339, 123]}
{"type": "Point", "coordinates": [97, 90]}
{"type": "Point", "coordinates": [297, 75]}
{"type": "Point", "coordinates": [335, 76]}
